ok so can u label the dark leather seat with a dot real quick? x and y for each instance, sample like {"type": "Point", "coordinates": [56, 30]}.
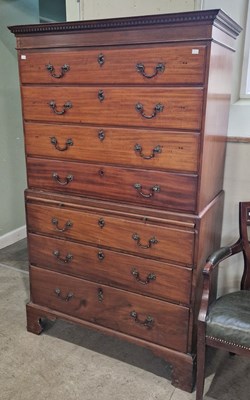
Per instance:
{"type": "Point", "coordinates": [225, 322]}
{"type": "Point", "coordinates": [229, 319]}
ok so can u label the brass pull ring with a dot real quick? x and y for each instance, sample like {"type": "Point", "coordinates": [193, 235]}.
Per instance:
{"type": "Point", "coordinates": [68, 143]}
{"type": "Point", "coordinates": [65, 260]}
{"type": "Point", "coordinates": [158, 108]}
{"type": "Point", "coordinates": [64, 182]}
{"type": "Point", "coordinates": [151, 241]}
{"type": "Point", "coordinates": [64, 68]}
{"type": "Point", "coordinates": [151, 277]}
{"type": "Point", "coordinates": [64, 298]}
{"type": "Point", "coordinates": [148, 322]}
{"type": "Point", "coordinates": [153, 189]}
{"type": "Point", "coordinates": [67, 225]}
{"type": "Point", "coordinates": [66, 107]}
{"type": "Point", "coordinates": [158, 68]}
{"type": "Point", "coordinates": [156, 150]}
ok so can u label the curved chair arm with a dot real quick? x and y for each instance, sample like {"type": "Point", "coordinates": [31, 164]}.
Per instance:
{"type": "Point", "coordinates": [221, 254]}
{"type": "Point", "coordinates": [215, 258]}
{"type": "Point", "coordinates": [211, 265]}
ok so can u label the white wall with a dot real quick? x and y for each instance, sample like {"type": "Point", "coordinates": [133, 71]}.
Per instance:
{"type": "Point", "coordinates": [236, 177]}
{"type": "Point", "coordinates": [12, 160]}
{"type": "Point", "coordinates": [240, 109]}
{"type": "Point", "coordinates": [73, 10]}
{"type": "Point", "coordinates": [96, 9]}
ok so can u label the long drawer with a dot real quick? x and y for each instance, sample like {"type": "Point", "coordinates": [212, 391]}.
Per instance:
{"type": "Point", "coordinates": [136, 235]}
{"type": "Point", "coordinates": [154, 320]}
{"type": "Point", "coordinates": [143, 187]}
{"type": "Point", "coordinates": [145, 276]}
{"type": "Point", "coordinates": [150, 65]}
{"type": "Point", "coordinates": [178, 108]}
{"type": "Point", "coordinates": [135, 147]}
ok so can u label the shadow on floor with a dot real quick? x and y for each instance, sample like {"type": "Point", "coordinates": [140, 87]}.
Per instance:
{"type": "Point", "coordinates": [109, 346]}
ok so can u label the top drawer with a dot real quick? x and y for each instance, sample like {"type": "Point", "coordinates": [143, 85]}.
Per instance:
{"type": "Point", "coordinates": [150, 65]}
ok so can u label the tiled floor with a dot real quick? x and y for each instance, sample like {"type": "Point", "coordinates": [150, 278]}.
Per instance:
{"type": "Point", "coordinates": [74, 363]}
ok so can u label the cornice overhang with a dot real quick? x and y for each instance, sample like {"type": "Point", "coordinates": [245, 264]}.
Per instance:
{"type": "Point", "coordinates": [216, 17]}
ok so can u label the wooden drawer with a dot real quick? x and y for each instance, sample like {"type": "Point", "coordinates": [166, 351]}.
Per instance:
{"type": "Point", "coordinates": [149, 277]}
{"type": "Point", "coordinates": [154, 320]}
{"type": "Point", "coordinates": [147, 188]}
{"type": "Point", "coordinates": [178, 108]}
{"type": "Point", "coordinates": [135, 147]}
{"type": "Point", "coordinates": [171, 64]}
{"type": "Point", "coordinates": [136, 235]}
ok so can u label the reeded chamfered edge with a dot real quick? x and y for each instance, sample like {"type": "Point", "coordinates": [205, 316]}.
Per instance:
{"type": "Point", "coordinates": [214, 17]}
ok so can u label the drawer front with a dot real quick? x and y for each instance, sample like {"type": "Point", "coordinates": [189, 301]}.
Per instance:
{"type": "Point", "coordinates": [178, 108]}
{"type": "Point", "coordinates": [154, 320]}
{"type": "Point", "coordinates": [149, 277]}
{"type": "Point", "coordinates": [147, 188]}
{"type": "Point", "coordinates": [134, 147]}
{"type": "Point", "coordinates": [137, 236]}
{"type": "Point", "coordinates": [151, 65]}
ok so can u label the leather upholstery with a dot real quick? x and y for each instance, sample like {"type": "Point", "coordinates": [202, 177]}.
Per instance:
{"type": "Point", "coordinates": [229, 318]}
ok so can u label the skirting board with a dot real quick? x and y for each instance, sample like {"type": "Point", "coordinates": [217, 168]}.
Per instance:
{"type": "Point", "coordinates": [13, 236]}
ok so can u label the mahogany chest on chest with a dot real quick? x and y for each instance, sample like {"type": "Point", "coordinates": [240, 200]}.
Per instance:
{"type": "Point", "coordinates": [125, 123]}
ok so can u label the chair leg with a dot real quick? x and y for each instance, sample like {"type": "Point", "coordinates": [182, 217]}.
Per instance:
{"type": "Point", "coordinates": [201, 358]}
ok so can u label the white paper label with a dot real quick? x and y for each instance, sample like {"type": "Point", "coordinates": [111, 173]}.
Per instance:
{"type": "Point", "coordinates": [23, 57]}
{"type": "Point", "coordinates": [195, 51]}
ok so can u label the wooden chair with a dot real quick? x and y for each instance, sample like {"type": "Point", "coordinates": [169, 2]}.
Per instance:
{"type": "Point", "coordinates": [225, 322]}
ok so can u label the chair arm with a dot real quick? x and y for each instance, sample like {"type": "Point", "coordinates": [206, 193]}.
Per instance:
{"type": "Point", "coordinates": [211, 264]}
{"type": "Point", "coordinates": [215, 258]}
{"type": "Point", "coordinates": [219, 255]}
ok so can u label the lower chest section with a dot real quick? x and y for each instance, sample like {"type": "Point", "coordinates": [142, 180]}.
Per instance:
{"type": "Point", "coordinates": [130, 273]}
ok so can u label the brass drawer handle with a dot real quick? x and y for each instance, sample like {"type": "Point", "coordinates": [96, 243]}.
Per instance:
{"type": "Point", "coordinates": [151, 241]}
{"type": "Point", "coordinates": [65, 107]}
{"type": "Point", "coordinates": [158, 68]}
{"type": "Point", "coordinates": [156, 150]}
{"type": "Point", "coordinates": [148, 322]}
{"type": "Point", "coordinates": [69, 142]}
{"type": "Point", "coordinates": [67, 225]}
{"type": "Point", "coordinates": [65, 260]}
{"type": "Point", "coordinates": [151, 277]}
{"type": "Point", "coordinates": [153, 189]}
{"type": "Point", "coordinates": [64, 182]}
{"type": "Point", "coordinates": [158, 108]}
{"type": "Point", "coordinates": [64, 68]}
{"type": "Point", "coordinates": [64, 298]}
